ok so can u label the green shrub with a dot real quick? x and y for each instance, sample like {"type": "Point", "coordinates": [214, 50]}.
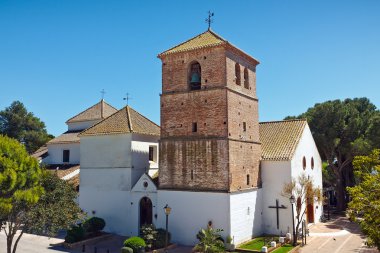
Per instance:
{"type": "Point", "coordinates": [126, 250]}
{"type": "Point", "coordinates": [75, 234]}
{"type": "Point", "coordinates": [94, 224]}
{"type": "Point", "coordinates": [210, 241]}
{"type": "Point", "coordinates": [135, 243]}
{"type": "Point", "coordinates": [161, 238]}
{"type": "Point", "coordinates": [228, 239]}
{"type": "Point", "coordinates": [149, 234]}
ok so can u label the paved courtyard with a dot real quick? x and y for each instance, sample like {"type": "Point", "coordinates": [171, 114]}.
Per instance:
{"type": "Point", "coordinates": [337, 236]}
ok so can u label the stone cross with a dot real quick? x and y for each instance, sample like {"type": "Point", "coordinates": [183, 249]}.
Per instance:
{"type": "Point", "coordinates": [277, 208]}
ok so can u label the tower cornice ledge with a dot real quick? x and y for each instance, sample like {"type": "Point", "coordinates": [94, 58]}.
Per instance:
{"type": "Point", "coordinates": [201, 137]}
{"type": "Point", "coordinates": [221, 87]}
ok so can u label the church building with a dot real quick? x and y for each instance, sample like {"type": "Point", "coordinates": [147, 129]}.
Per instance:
{"type": "Point", "coordinates": [211, 160]}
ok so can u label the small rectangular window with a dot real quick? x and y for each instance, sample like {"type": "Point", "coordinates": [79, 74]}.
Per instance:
{"type": "Point", "coordinates": [244, 126]}
{"type": "Point", "coordinates": [151, 154]}
{"type": "Point", "coordinates": [248, 181]}
{"type": "Point", "coordinates": [66, 156]}
{"type": "Point", "coordinates": [195, 127]}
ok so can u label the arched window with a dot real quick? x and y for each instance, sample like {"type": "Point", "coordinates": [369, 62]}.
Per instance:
{"type": "Point", "coordinates": [304, 163]}
{"type": "Point", "coordinates": [246, 78]}
{"type": "Point", "coordinates": [195, 76]}
{"type": "Point", "coordinates": [237, 73]}
{"type": "Point", "coordinates": [312, 163]}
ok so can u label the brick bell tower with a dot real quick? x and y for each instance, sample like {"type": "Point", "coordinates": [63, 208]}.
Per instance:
{"type": "Point", "coordinates": [209, 117]}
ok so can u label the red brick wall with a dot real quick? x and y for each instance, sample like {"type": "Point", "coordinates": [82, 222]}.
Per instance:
{"type": "Point", "coordinates": [205, 107]}
{"type": "Point", "coordinates": [208, 158]}
{"type": "Point", "coordinates": [220, 155]}
{"type": "Point", "coordinates": [175, 68]}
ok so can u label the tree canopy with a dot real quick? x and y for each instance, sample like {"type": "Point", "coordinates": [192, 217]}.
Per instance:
{"type": "Point", "coordinates": [16, 122]}
{"type": "Point", "coordinates": [365, 203]}
{"type": "Point", "coordinates": [31, 199]}
{"type": "Point", "coordinates": [341, 130]}
{"type": "Point", "coordinates": [20, 185]}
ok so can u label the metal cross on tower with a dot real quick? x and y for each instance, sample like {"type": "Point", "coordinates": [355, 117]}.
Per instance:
{"type": "Point", "coordinates": [127, 98]}
{"type": "Point", "coordinates": [209, 19]}
{"type": "Point", "coordinates": [277, 214]}
{"type": "Point", "coordinates": [103, 92]}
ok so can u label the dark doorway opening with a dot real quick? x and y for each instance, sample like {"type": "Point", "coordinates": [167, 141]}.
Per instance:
{"type": "Point", "coordinates": [145, 211]}
{"type": "Point", "coordinates": [310, 211]}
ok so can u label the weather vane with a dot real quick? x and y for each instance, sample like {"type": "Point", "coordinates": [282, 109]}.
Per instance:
{"type": "Point", "coordinates": [209, 19]}
{"type": "Point", "coordinates": [127, 98]}
{"type": "Point", "coordinates": [103, 92]}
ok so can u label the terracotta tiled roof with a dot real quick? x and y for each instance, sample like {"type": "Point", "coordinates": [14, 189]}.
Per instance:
{"type": "Point", "coordinates": [40, 153]}
{"type": "Point", "coordinates": [279, 139]}
{"type": "Point", "coordinates": [100, 110]}
{"type": "Point", "coordinates": [67, 137]}
{"type": "Point", "coordinates": [206, 39]}
{"type": "Point", "coordinates": [125, 120]}
{"type": "Point", "coordinates": [62, 170]}
{"type": "Point", "coordinates": [75, 180]}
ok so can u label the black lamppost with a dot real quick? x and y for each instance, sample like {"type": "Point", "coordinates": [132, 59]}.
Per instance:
{"type": "Point", "coordinates": [167, 210]}
{"type": "Point", "coordinates": [292, 200]}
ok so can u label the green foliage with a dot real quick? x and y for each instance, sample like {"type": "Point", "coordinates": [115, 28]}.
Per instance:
{"type": "Point", "coordinates": [32, 199]}
{"type": "Point", "coordinates": [135, 243]}
{"type": "Point", "coordinates": [19, 178]}
{"type": "Point", "coordinates": [255, 244]}
{"type": "Point", "coordinates": [149, 234]}
{"type": "Point", "coordinates": [94, 225]}
{"type": "Point", "coordinates": [365, 196]}
{"type": "Point", "coordinates": [75, 234]}
{"type": "Point", "coordinates": [16, 122]}
{"type": "Point", "coordinates": [126, 250]}
{"type": "Point", "coordinates": [161, 238]}
{"type": "Point", "coordinates": [210, 241]}
{"type": "Point", "coordinates": [283, 249]}
{"type": "Point", "coordinates": [228, 239]}
{"type": "Point", "coordinates": [56, 209]}
{"type": "Point", "coordinates": [342, 130]}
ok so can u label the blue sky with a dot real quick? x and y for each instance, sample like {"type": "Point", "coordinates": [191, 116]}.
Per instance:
{"type": "Point", "coordinates": [56, 56]}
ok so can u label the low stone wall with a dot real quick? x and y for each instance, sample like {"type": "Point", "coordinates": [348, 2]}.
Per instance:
{"type": "Point", "coordinates": [87, 241]}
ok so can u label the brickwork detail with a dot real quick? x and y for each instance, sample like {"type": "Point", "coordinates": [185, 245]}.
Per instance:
{"type": "Point", "coordinates": [225, 148]}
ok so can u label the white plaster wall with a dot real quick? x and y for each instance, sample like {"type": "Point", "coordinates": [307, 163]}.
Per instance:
{"type": "Point", "coordinates": [245, 215]}
{"type": "Point", "coordinates": [308, 148]}
{"type": "Point", "coordinates": [191, 211]}
{"type": "Point", "coordinates": [56, 153]}
{"type": "Point", "coordinates": [140, 151]}
{"type": "Point", "coordinates": [75, 126]}
{"type": "Point", "coordinates": [274, 175]}
{"type": "Point", "coordinates": [106, 151]}
{"type": "Point", "coordinates": [107, 192]}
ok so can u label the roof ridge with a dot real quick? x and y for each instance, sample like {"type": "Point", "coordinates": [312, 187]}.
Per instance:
{"type": "Point", "coordinates": [216, 35]}
{"type": "Point", "coordinates": [82, 112]}
{"type": "Point", "coordinates": [298, 141]}
{"type": "Point", "coordinates": [280, 121]}
{"type": "Point", "coordinates": [144, 117]}
{"type": "Point", "coordinates": [129, 118]}
{"type": "Point", "coordinates": [207, 31]}
{"type": "Point", "coordinates": [84, 131]}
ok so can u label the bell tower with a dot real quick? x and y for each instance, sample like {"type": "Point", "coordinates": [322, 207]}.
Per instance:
{"type": "Point", "coordinates": [209, 117]}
